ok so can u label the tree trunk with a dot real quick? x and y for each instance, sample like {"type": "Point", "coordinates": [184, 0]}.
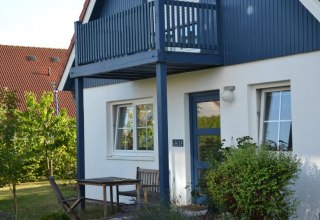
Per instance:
{"type": "Point", "coordinates": [48, 164]}
{"type": "Point", "coordinates": [15, 200]}
{"type": "Point", "coordinates": [51, 167]}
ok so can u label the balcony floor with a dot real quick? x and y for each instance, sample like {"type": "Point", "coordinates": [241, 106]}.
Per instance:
{"type": "Point", "coordinates": [142, 65]}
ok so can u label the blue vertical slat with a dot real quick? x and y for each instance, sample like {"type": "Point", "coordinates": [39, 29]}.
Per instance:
{"type": "Point", "coordinates": [189, 30]}
{"type": "Point", "coordinates": [95, 41]}
{"type": "Point", "coordinates": [91, 42]}
{"type": "Point", "coordinates": [120, 34]}
{"type": "Point", "coordinates": [113, 35]}
{"type": "Point", "coordinates": [87, 43]}
{"type": "Point", "coordinates": [144, 27]}
{"type": "Point", "coordinates": [179, 21]}
{"type": "Point", "coordinates": [148, 26]}
{"type": "Point", "coordinates": [139, 28]}
{"type": "Point", "coordinates": [107, 26]}
{"type": "Point", "coordinates": [98, 37]}
{"type": "Point", "coordinates": [134, 27]}
{"type": "Point", "coordinates": [183, 36]}
{"type": "Point", "coordinates": [309, 33]}
{"type": "Point", "coordinates": [116, 34]}
{"type": "Point", "coordinates": [103, 38]}
{"type": "Point", "coordinates": [305, 33]}
{"type": "Point", "coordinates": [76, 41]}
{"type": "Point", "coordinates": [167, 22]}
{"type": "Point", "coordinates": [200, 27]}
{"type": "Point", "coordinates": [174, 24]}
{"type": "Point", "coordinates": [300, 29]}
{"type": "Point", "coordinates": [129, 22]}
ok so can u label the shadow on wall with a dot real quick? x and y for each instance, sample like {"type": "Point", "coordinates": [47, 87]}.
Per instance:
{"type": "Point", "coordinates": [308, 191]}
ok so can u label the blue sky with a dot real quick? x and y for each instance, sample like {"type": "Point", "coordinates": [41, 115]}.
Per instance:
{"type": "Point", "coordinates": [38, 23]}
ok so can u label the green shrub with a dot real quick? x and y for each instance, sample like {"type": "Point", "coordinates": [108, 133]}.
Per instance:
{"type": "Point", "coordinates": [253, 183]}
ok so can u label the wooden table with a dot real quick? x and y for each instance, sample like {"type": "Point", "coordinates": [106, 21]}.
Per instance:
{"type": "Point", "coordinates": [110, 181]}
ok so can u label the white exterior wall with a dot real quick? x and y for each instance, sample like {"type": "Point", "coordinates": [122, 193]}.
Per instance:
{"type": "Point", "coordinates": [239, 118]}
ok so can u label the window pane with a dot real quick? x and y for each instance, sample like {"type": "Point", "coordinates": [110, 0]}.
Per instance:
{"type": "Point", "coordinates": [144, 115]}
{"type": "Point", "coordinates": [272, 106]}
{"type": "Point", "coordinates": [271, 134]}
{"type": "Point", "coordinates": [145, 138]}
{"type": "Point", "coordinates": [125, 117]}
{"type": "Point", "coordinates": [285, 137]}
{"type": "Point", "coordinates": [285, 105]}
{"type": "Point", "coordinates": [144, 127]}
{"type": "Point", "coordinates": [124, 139]}
{"type": "Point", "coordinates": [208, 114]}
{"type": "Point", "coordinates": [205, 145]}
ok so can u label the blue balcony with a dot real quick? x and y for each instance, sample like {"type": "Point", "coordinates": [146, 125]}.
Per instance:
{"type": "Point", "coordinates": [126, 42]}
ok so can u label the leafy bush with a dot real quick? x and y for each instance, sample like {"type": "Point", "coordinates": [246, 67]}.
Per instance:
{"type": "Point", "coordinates": [254, 182]}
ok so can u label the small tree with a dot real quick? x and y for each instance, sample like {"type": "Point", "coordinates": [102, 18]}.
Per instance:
{"type": "Point", "coordinates": [13, 165]}
{"type": "Point", "coordinates": [52, 137]}
{"type": "Point", "coordinates": [254, 183]}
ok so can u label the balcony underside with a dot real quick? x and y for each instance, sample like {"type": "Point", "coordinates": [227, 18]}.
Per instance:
{"type": "Point", "coordinates": [142, 65]}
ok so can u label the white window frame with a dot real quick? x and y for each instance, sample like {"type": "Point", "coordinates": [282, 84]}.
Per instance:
{"type": "Point", "coordinates": [262, 109]}
{"type": "Point", "coordinates": [134, 153]}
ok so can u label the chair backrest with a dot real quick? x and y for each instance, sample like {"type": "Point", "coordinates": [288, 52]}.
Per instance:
{"type": "Point", "coordinates": [149, 177]}
{"type": "Point", "coordinates": [57, 192]}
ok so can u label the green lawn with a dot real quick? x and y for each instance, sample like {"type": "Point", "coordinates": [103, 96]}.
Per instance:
{"type": "Point", "coordinates": [38, 199]}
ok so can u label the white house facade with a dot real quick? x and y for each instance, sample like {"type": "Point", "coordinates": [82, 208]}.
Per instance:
{"type": "Point", "coordinates": [265, 88]}
{"type": "Point", "coordinates": [298, 74]}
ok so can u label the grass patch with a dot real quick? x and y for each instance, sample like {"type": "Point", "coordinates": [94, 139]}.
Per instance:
{"type": "Point", "coordinates": [37, 199]}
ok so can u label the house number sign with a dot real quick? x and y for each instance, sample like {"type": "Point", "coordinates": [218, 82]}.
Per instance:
{"type": "Point", "coordinates": [177, 142]}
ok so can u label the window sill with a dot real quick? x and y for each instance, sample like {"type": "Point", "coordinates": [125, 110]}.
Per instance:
{"type": "Point", "coordinates": [131, 158]}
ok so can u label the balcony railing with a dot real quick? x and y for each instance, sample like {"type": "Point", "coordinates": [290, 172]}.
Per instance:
{"type": "Point", "coordinates": [189, 27]}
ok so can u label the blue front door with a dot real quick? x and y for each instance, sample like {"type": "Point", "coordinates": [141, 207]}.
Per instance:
{"type": "Point", "coordinates": [205, 132]}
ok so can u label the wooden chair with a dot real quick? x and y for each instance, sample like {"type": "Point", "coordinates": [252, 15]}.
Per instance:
{"type": "Point", "coordinates": [150, 186]}
{"type": "Point", "coordinates": [68, 204]}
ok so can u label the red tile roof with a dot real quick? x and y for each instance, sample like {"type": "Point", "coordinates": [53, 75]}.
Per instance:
{"type": "Point", "coordinates": [18, 72]}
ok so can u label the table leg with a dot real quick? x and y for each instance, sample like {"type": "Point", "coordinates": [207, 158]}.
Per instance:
{"type": "Point", "coordinates": [104, 201]}
{"type": "Point", "coordinates": [138, 193]}
{"type": "Point", "coordinates": [111, 198]}
{"type": "Point", "coordinates": [117, 187]}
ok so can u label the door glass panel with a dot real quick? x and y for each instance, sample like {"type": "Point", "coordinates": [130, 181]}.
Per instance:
{"type": "Point", "coordinates": [208, 114]}
{"type": "Point", "coordinates": [206, 144]}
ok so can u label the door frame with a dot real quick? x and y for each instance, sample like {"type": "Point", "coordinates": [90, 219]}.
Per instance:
{"type": "Point", "coordinates": [194, 98]}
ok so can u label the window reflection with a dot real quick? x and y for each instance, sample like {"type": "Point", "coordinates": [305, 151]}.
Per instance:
{"type": "Point", "coordinates": [277, 124]}
{"type": "Point", "coordinates": [208, 114]}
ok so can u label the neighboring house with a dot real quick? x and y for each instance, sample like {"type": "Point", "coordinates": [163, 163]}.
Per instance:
{"type": "Point", "coordinates": [38, 70]}
{"type": "Point", "coordinates": [146, 73]}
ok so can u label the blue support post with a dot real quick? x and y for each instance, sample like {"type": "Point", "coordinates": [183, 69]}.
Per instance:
{"type": "Point", "coordinates": [161, 72]}
{"type": "Point", "coordinates": [159, 26]}
{"type": "Point", "coordinates": [162, 109]}
{"type": "Point", "coordinates": [80, 134]}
